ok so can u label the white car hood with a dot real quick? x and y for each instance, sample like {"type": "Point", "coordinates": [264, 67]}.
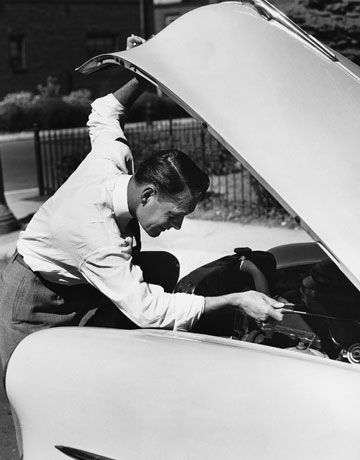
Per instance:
{"type": "Point", "coordinates": [155, 395]}
{"type": "Point", "coordinates": [283, 104]}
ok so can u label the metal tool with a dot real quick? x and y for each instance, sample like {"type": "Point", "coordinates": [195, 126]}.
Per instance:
{"type": "Point", "coordinates": [295, 308]}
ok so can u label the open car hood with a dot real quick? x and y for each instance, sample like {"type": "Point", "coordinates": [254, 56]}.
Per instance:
{"type": "Point", "coordinates": [281, 102]}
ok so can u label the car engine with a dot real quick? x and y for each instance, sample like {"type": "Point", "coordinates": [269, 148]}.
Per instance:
{"type": "Point", "coordinates": [322, 306]}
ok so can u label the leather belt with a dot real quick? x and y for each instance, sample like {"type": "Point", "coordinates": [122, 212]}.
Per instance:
{"type": "Point", "coordinates": [19, 258]}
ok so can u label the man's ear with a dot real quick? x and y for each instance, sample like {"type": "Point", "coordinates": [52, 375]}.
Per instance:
{"type": "Point", "coordinates": [147, 192]}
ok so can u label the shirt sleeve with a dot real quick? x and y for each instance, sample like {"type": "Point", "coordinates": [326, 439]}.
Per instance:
{"type": "Point", "coordinates": [147, 305]}
{"type": "Point", "coordinates": [106, 133]}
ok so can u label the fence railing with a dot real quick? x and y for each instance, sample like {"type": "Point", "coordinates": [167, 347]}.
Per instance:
{"type": "Point", "coordinates": [59, 152]}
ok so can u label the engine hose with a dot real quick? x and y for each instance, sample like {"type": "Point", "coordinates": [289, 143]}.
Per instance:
{"type": "Point", "coordinates": [260, 282]}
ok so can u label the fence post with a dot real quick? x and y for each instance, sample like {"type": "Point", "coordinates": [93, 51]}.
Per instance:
{"type": "Point", "coordinates": [148, 113]}
{"type": "Point", "coordinates": [171, 132]}
{"type": "Point", "coordinates": [39, 164]}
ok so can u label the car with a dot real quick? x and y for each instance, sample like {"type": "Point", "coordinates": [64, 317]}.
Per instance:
{"type": "Point", "coordinates": [288, 108]}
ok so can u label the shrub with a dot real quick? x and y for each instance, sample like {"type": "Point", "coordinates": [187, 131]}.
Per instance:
{"type": "Point", "coordinates": [150, 106]}
{"type": "Point", "coordinates": [56, 114]}
{"type": "Point", "coordinates": [13, 117]}
{"type": "Point", "coordinates": [20, 99]}
{"type": "Point", "coordinates": [47, 114]}
{"type": "Point", "coordinates": [50, 89]}
{"type": "Point", "coordinates": [19, 111]}
{"type": "Point", "coordinates": [78, 97]}
{"type": "Point", "coordinates": [70, 162]}
{"type": "Point", "coordinates": [266, 202]}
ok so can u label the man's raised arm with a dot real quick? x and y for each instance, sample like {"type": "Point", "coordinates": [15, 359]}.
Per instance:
{"type": "Point", "coordinates": [128, 93]}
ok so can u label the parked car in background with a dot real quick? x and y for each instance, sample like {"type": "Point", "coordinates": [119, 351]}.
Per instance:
{"type": "Point", "coordinates": [289, 109]}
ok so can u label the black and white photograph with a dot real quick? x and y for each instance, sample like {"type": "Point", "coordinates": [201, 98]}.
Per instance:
{"type": "Point", "coordinates": [179, 273]}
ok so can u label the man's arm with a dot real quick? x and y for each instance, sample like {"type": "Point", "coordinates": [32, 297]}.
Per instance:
{"type": "Point", "coordinates": [109, 113]}
{"type": "Point", "coordinates": [255, 304]}
{"type": "Point", "coordinates": [128, 93]}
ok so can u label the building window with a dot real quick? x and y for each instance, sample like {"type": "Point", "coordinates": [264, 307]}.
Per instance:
{"type": "Point", "coordinates": [17, 53]}
{"type": "Point", "coordinates": [98, 44]}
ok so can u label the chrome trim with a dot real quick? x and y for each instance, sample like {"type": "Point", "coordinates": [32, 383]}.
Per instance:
{"type": "Point", "coordinates": [81, 454]}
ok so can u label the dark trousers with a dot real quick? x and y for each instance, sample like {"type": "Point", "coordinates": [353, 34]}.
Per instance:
{"type": "Point", "coordinates": [29, 303]}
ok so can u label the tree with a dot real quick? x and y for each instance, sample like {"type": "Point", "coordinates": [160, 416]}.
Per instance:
{"type": "Point", "coordinates": [336, 23]}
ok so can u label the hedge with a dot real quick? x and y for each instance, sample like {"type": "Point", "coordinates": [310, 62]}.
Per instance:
{"type": "Point", "coordinates": [20, 111]}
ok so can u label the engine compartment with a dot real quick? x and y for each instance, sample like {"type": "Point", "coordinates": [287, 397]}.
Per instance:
{"type": "Point", "coordinates": [323, 314]}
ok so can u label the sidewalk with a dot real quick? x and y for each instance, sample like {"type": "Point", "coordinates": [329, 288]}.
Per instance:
{"type": "Point", "coordinates": [197, 243]}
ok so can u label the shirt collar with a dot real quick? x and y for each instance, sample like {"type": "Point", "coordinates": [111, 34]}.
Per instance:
{"type": "Point", "coordinates": [120, 203]}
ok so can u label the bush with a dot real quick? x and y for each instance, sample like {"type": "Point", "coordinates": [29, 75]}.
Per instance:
{"type": "Point", "coordinates": [150, 106]}
{"type": "Point", "coordinates": [20, 99]}
{"type": "Point", "coordinates": [70, 162]}
{"type": "Point", "coordinates": [17, 111]}
{"type": "Point", "coordinates": [20, 111]}
{"type": "Point", "coordinates": [266, 202]}
{"type": "Point", "coordinates": [56, 114]}
{"type": "Point", "coordinates": [79, 97]}
{"type": "Point", "coordinates": [50, 89]}
{"type": "Point", "coordinates": [47, 114]}
{"type": "Point", "coordinates": [15, 118]}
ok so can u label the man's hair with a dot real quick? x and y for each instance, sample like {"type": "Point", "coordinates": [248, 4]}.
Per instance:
{"type": "Point", "coordinates": [173, 172]}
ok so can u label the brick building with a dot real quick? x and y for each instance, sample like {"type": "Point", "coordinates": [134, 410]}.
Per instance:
{"type": "Point", "coordinates": [166, 11]}
{"type": "Point", "coordinates": [41, 38]}
{"type": "Point", "coordinates": [52, 37]}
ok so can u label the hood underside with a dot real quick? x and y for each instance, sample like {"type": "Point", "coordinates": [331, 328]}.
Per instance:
{"type": "Point", "coordinates": [284, 105]}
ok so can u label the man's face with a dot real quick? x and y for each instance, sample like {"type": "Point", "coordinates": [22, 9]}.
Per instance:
{"type": "Point", "coordinates": [159, 213]}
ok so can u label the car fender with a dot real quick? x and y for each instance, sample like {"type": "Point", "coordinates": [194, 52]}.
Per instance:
{"type": "Point", "coordinates": [152, 394]}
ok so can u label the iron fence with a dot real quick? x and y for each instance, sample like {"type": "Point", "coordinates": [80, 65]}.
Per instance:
{"type": "Point", "coordinates": [59, 152]}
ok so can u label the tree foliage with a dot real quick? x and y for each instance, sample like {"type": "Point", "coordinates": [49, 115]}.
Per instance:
{"type": "Point", "coordinates": [336, 23]}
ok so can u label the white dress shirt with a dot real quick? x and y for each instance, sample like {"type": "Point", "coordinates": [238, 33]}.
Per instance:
{"type": "Point", "coordinates": [76, 236]}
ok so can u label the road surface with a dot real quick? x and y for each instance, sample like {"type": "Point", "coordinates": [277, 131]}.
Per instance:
{"type": "Point", "coordinates": [18, 161]}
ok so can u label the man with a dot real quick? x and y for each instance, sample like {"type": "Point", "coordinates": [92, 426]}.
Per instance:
{"type": "Point", "coordinates": [77, 252]}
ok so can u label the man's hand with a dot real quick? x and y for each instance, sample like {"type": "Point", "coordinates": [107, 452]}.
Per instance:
{"type": "Point", "coordinates": [126, 247]}
{"type": "Point", "coordinates": [259, 306]}
{"type": "Point", "coordinates": [255, 304]}
{"type": "Point", "coordinates": [134, 40]}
